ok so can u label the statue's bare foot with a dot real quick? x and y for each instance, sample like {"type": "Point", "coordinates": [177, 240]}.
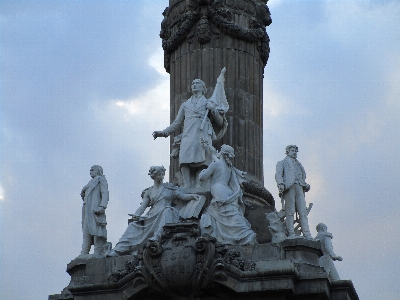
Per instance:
{"type": "Point", "coordinates": [112, 253]}
{"type": "Point", "coordinates": [84, 255]}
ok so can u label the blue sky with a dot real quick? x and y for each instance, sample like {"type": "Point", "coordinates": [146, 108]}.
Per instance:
{"type": "Point", "coordinates": [82, 83]}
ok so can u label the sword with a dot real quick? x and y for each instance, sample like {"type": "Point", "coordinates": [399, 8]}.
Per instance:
{"type": "Point", "coordinates": [282, 212]}
{"type": "Point", "coordinates": [204, 120]}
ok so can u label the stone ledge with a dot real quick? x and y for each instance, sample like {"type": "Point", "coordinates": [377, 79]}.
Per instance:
{"type": "Point", "coordinates": [270, 271]}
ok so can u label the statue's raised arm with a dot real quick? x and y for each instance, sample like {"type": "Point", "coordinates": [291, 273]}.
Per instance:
{"type": "Point", "coordinates": [202, 119]}
{"type": "Point", "coordinates": [221, 77]}
{"type": "Point", "coordinates": [326, 260]}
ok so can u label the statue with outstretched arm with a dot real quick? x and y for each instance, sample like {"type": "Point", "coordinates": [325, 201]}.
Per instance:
{"type": "Point", "coordinates": [202, 119]}
{"type": "Point", "coordinates": [160, 198]}
{"type": "Point", "coordinates": [326, 260]}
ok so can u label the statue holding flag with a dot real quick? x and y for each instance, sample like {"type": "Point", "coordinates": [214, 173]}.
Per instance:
{"type": "Point", "coordinates": [203, 120]}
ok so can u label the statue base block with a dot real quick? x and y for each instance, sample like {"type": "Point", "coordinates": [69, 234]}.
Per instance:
{"type": "Point", "coordinates": [184, 265]}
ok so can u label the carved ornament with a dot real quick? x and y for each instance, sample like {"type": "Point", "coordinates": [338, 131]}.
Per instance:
{"type": "Point", "coordinates": [219, 13]}
{"type": "Point", "coordinates": [182, 263]}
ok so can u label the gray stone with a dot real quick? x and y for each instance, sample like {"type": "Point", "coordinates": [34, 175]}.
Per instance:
{"type": "Point", "coordinates": [159, 197]}
{"type": "Point", "coordinates": [202, 120]}
{"type": "Point", "coordinates": [224, 217]}
{"type": "Point", "coordinates": [199, 39]}
{"type": "Point", "coordinates": [184, 265]}
{"type": "Point", "coordinates": [95, 200]}
{"type": "Point", "coordinates": [326, 260]}
{"type": "Point", "coordinates": [290, 177]}
{"type": "Point", "coordinates": [182, 257]}
{"type": "Point", "coordinates": [276, 227]}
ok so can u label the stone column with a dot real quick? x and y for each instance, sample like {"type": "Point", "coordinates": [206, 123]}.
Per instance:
{"type": "Point", "coordinates": [199, 39]}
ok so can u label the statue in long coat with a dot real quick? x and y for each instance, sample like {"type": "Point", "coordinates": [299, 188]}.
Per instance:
{"type": "Point", "coordinates": [203, 120]}
{"type": "Point", "coordinates": [95, 199]}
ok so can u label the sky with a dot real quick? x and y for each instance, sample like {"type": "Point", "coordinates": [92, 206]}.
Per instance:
{"type": "Point", "coordinates": [82, 83]}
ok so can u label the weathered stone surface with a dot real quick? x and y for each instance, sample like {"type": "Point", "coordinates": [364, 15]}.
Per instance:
{"type": "Point", "coordinates": [199, 39]}
{"type": "Point", "coordinates": [159, 198]}
{"type": "Point", "coordinates": [255, 210]}
{"type": "Point", "coordinates": [95, 200]}
{"type": "Point", "coordinates": [326, 260]}
{"type": "Point", "coordinates": [185, 265]}
{"type": "Point", "coordinates": [224, 217]}
{"type": "Point", "coordinates": [202, 121]}
{"type": "Point", "coordinates": [259, 191]}
{"type": "Point", "coordinates": [290, 177]}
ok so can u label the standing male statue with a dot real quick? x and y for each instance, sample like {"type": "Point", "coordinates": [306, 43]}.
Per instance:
{"type": "Point", "coordinates": [202, 119]}
{"type": "Point", "coordinates": [290, 177]}
{"type": "Point", "coordinates": [95, 200]}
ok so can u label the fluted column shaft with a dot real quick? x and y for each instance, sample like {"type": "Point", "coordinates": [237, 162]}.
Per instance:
{"type": "Point", "coordinates": [199, 40]}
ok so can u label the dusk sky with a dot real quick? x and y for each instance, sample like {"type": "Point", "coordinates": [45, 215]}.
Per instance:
{"type": "Point", "coordinates": [83, 83]}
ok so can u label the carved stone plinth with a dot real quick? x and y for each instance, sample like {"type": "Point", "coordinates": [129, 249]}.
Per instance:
{"type": "Point", "coordinates": [199, 38]}
{"type": "Point", "coordinates": [258, 202]}
{"type": "Point", "coordinates": [184, 265]}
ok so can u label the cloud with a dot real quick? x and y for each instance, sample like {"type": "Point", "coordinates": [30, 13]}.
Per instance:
{"type": "Point", "coordinates": [276, 103]}
{"type": "Point", "coordinates": [347, 21]}
{"type": "Point", "coordinates": [2, 197]}
{"type": "Point", "coordinates": [274, 3]}
{"type": "Point", "coordinates": [83, 83]}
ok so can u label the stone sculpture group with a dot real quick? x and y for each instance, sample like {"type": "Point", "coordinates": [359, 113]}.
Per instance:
{"type": "Point", "coordinates": [214, 232]}
{"type": "Point", "coordinates": [204, 170]}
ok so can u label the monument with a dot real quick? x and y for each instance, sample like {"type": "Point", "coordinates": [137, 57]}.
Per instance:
{"type": "Point", "coordinates": [213, 232]}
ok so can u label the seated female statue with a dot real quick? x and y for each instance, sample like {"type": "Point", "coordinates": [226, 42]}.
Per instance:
{"type": "Point", "coordinates": [159, 198]}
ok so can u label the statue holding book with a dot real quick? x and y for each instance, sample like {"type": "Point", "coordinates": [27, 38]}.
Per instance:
{"type": "Point", "coordinates": [159, 198]}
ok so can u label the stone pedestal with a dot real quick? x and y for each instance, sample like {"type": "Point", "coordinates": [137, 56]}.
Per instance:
{"type": "Point", "coordinates": [184, 265]}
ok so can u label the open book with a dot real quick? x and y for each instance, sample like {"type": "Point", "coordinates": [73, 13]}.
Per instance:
{"type": "Point", "coordinates": [192, 208]}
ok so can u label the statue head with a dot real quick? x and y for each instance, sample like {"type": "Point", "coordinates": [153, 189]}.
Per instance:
{"type": "Point", "coordinates": [227, 151]}
{"type": "Point", "coordinates": [96, 170]}
{"type": "Point", "coordinates": [198, 85]}
{"type": "Point", "coordinates": [322, 227]}
{"type": "Point", "coordinates": [154, 170]}
{"type": "Point", "coordinates": [291, 151]}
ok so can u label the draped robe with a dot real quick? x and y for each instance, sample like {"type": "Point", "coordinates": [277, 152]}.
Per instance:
{"type": "Point", "coordinates": [160, 213]}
